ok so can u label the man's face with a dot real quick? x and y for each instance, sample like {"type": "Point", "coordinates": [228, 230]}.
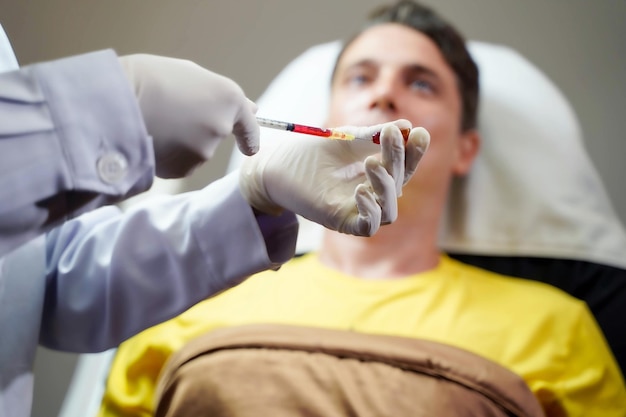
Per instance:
{"type": "Point", "coordinates": [391, 72]}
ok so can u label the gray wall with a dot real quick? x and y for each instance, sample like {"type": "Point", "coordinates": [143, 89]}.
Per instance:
{"type": "Point", "coordinates": [578, 43]}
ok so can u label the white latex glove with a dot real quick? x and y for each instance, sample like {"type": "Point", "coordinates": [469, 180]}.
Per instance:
{"type": "Point", "coordinates": [188, 110]}
{"type": "Point", "coordinates": [348, 186]}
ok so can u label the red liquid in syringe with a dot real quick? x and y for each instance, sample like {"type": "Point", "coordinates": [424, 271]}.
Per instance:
{"type": "Point", "coordinates": [309, 130]}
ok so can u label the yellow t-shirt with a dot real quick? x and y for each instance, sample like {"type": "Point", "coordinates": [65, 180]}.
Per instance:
{"type": "Point", "coordinates": [547, 337]}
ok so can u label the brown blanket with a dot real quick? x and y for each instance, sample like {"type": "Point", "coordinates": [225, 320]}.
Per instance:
{"type": "Point", "coordinates": [277, 370]}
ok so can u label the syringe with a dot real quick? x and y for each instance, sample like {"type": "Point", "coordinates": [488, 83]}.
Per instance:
{"type": "Point", "coordinates": [318, 131]}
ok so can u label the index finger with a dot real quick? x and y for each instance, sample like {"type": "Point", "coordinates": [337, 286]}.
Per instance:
{"type": "Point", "coordinates": [246, 129]}
{"type": "Point", "coordinates": [393, 154]}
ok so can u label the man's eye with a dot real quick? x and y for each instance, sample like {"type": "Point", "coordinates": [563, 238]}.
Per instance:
{"type": "Point", "coordinates": [358, 79]}
{"type": "Point", "coordinates": [422, 85]}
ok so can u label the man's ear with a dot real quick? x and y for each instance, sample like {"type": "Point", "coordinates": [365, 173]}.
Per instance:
{"type": "Point", "coordinates": [469, 144]}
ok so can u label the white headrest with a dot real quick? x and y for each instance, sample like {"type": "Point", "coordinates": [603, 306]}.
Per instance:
{"type": "Point", "coordinates": [8, 62]}
{"type": "Point", "coordinates": [533, 190]}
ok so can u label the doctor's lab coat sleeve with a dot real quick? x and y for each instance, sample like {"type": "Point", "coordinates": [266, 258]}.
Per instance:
{"type": "Point", "coordinates": [111, 275]}
{"type": "Point", "coordinates": [71, 139]}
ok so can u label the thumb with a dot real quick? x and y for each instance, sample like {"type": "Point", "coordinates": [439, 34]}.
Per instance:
{"type": "Point", "coordinates": [246, 130]}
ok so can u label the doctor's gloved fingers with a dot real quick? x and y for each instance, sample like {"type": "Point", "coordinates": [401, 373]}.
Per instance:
{"type": "Point", "coordinates": [393, 155]}
{"type": "Point", "coordinates": [383, 187]}
{"type": "Point", "coordinates": [246, 129]}
{"type": "Point", "coordinates": [368, 219]}
{"type": "Point", "coordinates": [416, 147]}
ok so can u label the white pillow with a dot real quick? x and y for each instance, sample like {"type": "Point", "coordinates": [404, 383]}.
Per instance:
{"type": "Point", "coordinates": [8, 62]}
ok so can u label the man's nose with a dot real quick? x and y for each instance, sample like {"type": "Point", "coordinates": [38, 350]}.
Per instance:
{"type": "Point", "coordinates": [384, 95]}
{"type": "Point", "coordinates": [385, 103]}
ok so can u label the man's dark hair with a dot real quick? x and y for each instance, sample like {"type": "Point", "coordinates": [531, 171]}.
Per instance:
{"type": "Point", "coordinates": [449, 41]}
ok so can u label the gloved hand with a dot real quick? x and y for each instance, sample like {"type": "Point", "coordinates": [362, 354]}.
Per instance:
{"type": "Point", "coordinates": [343, 185]}
{"type": "Point", "coordinates": [188, 110]}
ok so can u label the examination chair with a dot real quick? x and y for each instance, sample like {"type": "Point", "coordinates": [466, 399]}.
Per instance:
{"type": "Point", "coordinates": [533, 205]}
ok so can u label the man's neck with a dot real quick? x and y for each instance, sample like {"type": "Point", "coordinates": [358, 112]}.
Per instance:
{"type": "Point", "coordinates": [396, 251]}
